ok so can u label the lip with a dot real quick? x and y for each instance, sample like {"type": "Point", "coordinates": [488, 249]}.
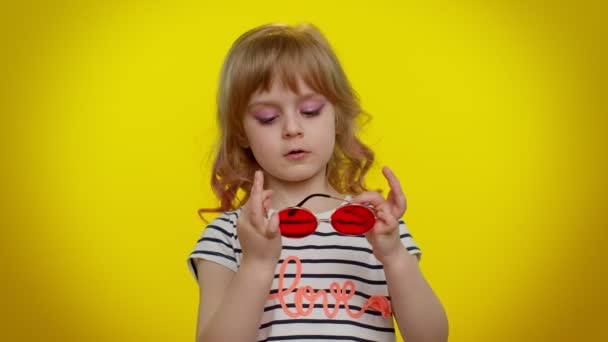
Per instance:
{"type": "Point", "coordinates": [296, 154]}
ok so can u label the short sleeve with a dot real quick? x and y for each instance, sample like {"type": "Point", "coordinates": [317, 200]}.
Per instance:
{"type": "Point", "coordinates": [217, 243]}
{"type": "Point", "coordinates": [408, 240]}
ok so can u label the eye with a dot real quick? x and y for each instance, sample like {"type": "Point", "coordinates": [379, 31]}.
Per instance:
{"type": "Point", "coordinates": [312, 112]}
{"type": "Point", "coordinates": [266, 120]}
{"type": "Point", "coordinates": [265, 115]}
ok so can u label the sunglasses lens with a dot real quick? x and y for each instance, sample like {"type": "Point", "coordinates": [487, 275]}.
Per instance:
{"type": "Point", "coordinates": [353, 219]}
{"type": "Point", "coordinates": [296, 223]}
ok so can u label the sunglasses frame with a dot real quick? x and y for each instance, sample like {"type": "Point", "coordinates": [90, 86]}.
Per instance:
{"type": "Point", "coordinates": [318, 220]}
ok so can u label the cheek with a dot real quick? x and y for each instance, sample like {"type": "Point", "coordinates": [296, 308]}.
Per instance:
{"type": "Point", "coordinates": [262, 150]}
{"type": "Point", "coordinates": [251, 135]}
{"type": "Point", "coordinates": [260, 143]}
{"type": "Point", "coordinates": [325, 136]}
{"type": "Point", "coordinates": [327, 129]}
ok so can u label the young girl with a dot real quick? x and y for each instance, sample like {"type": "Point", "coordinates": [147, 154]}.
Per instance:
{"type": "Point", "coordinates": [341, 264]}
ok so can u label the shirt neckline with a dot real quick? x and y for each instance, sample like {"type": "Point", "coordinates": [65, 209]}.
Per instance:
{"type": "Point", "coordinates": [326, 213]}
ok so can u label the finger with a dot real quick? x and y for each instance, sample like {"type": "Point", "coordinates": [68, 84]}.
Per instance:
{"type": "Point", "coordinates": [369, 197]}
{"type": "Point", "coordinates": [389, 221]}
{"type": "Point", "coordinates": [255, 208]}
{"type": "Point", "coordinates": [266, 201]}
{"type": "Point", "coordinates": [273, 226]}
{"type": "Point", "coordinates": [395, 197]}
{"type": "Point", "coordinates": [266, 195]}
{"type": "Point", "coordinates": [397, 207]}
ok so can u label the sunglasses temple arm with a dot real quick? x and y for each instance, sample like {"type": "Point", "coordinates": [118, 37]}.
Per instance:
{"type": "Point", "coordinates": [311, 196]}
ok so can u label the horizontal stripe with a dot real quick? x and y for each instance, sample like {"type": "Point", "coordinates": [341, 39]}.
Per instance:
{"type": "Point", "coordinates": [216, 240]}
{"type": "Point", "coordinates": [215, 254]}
{"type": "Point", "coordinates": [319, 233]}
{"type": "Point", "coordinates": [337, 234]}
{"type": "Point", "coordinates": [321, 306]}
{"type": "Point", "coordinates": [357, 293]}
{"type": "Point", "coordinates": [233, 224]}
{"type": "Point", "coordinates": [360, 236]}
{"type": "Point", "coordinates": [333, 276]}
{"type": "Point", "coordinates": [338, 261]}
{"type": "Point", "coordinates": [220, 229]}
{"type": "Point", "coordinates": [315, 247]}
{"type": "Point", "coordinates": [316, 338]}
{"type": "Point", "coordinates": [325, 321]}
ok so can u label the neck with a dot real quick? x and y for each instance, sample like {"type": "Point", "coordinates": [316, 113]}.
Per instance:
{"type": "Point", "coordinates": [286, 194]}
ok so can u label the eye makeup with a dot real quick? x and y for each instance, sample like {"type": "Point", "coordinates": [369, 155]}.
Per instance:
{"type": "Point", "coordinates": [264, 114]}
{"type": "Point", "coordinates": [312, 108]}
{"type": "Point", "coordinates": [267, 112]}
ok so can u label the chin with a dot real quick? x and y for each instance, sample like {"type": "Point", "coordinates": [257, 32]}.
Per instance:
{"type": "Point", "coordinates": [298, 175]}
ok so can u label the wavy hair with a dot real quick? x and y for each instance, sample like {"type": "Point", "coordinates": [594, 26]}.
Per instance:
{"type": "Point", "coordinates": [286, 53]}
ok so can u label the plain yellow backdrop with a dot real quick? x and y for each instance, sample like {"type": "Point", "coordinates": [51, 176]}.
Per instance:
{"type": "Point", "coordinates": [492, 114]}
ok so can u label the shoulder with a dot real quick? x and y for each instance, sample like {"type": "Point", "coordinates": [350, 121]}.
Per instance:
{"type": "Point", "coordinates": [218, 243]}
{"type": "Point", "coordinates": [228, 216]}
{"type": "Point", "coordinates": [225, 221]}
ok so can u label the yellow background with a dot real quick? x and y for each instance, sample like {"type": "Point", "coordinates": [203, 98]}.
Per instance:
{"type": "Point", "coordinates": [493, 115]}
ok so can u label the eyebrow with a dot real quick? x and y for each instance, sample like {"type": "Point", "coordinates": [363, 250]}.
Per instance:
{"type": "Point", "coordinates": [301, 98]}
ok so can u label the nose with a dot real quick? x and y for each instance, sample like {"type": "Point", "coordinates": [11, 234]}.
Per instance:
{"type": "Point", "coordinates": [292, 127]}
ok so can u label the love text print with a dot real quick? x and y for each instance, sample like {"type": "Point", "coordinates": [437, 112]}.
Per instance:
{"type": "Point", "coordinates": [307, 293]}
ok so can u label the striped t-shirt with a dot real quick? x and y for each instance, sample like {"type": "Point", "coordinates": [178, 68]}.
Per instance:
{"type": "Point", "coordinates": [338, 268]}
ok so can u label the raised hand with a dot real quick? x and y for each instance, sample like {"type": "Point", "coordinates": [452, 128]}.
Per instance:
{"type": "Point", "coordinates": [384, 236]}
{"type": "Point", "coordinates": [259, 236]}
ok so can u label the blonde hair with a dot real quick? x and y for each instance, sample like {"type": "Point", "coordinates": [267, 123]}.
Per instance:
{"type": "Point", "coordinates": [285, 53]}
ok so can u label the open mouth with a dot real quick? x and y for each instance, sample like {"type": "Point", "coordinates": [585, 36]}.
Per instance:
{"type": "Point", "coordinates": [296, 154]}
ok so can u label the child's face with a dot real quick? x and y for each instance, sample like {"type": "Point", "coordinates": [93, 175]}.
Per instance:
{"type": "Point", "coordinates": [291, 135]}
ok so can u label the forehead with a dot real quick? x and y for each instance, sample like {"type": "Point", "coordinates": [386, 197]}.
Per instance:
{"type": "Point", "coordinates": [280, 89]}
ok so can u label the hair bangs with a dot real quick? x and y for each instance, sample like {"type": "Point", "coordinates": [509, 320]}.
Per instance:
{"type": "Point", "coordinates": [283, 57]}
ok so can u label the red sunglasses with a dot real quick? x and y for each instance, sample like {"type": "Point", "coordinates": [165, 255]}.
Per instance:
{"type": "Point", "coordinates": [349, 219]}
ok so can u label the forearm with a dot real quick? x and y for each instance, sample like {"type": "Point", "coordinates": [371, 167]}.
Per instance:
{"type": "Point", "coordinates": [419, 313]}
{"type": "Point", "coordinates": [239, 315]}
